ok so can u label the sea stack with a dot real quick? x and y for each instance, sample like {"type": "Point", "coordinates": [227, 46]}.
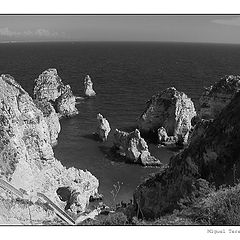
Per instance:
{"type": "Point", "coordinates": [134, 148]}
{"type": "Point", "coordinates": [103, 127]}
{"type": "Point", "coordinates": [217, 96]}
{"type": "Point", "coordinates": [171, 110]}
{"type": "Point", "coordinates": [212, 157]}
{"type": "Point", "coordinates": [88, 87]}
{"type": "Point", "coordinates": [26, 156]}
{"type": "Point", "coordinates": [49, 87]}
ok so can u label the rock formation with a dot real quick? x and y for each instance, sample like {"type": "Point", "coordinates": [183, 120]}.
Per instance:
{"type": "Point", "coordinates": [49, 87]}
{"type": "Point", "coordinates": [103, 127]}
{"type": "Point", "coordinates": [66, 103]}
{"type": "Point", "coordinates": [169, 109]}
{"type": "Point", "coordinates": [134, 148]}
{"type": "Point", "coordinates": [51, 119]}
{"type": "Point", "coordinates": [162, 134]}
{"type": "Point", "coordinates": [88, 87]}
{"type": "Point", "coordinates": [217, 96]}
{"type": "Point", "coordinates": [26, 156]}
{"type": "Point", "coordinates": [212, 156]}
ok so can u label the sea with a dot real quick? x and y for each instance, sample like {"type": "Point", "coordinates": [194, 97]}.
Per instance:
{"type": "Point", "coordinates": [125, 76]}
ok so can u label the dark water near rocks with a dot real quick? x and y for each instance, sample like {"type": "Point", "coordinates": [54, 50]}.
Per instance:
{"type": "Point", "coordinates": [125, 75]}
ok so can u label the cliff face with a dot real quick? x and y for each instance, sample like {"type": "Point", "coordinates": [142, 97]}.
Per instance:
{"type": "Point", "coordinates": [65, 104]}
{"type": "Point", "coordinates": [171, 110]}
{"type": "Point", "coordinates": [49, 87]}
{"type": "Point", "coordinates": [217, 96]}
{"type": "Point", "coordinates": [134, 148]}
{"type": "Point", "coordinates": [51, 119]}
{"type": "Point", "coordinates": [26, 156]}
{"type": "Point", "coordinates": [212, 156]}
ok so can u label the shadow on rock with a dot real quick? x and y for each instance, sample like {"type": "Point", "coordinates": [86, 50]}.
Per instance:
{"type": "Point", "coordinates": [110, 154]}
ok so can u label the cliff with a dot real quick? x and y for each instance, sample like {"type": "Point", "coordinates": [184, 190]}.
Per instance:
{"type": "Point", "coordinates": [169, 109]}
{"type": "Point", "coordinates": [217, 96]}
{"type": "Point", "coordinates": [26, 156]}
{"type": "Point", "coordinates": [212, 156]}
{"type": "Point", "coordinates": [49, 87]}
{"type": "Point", "coordinates": [51, 118]}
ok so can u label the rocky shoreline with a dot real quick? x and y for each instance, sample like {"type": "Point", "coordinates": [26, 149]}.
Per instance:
{"type": "Point", "coordinates": [29, 129]}
{"type": "Point", "coordinates": [27, 134]}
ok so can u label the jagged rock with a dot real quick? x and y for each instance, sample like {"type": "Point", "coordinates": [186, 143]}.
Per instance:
{"type": "Point", "coordinates": [23, 212]}
{"type": "Point", "coordinates": [103, 127]}
{"type": "Point", "coordinates": [88, 87]}
{"type": "Point", "coordinates": [217, 96]}
{"type": "Point", "coordinates": [162, 134]}
{"type": "Point", "coordinates": [212, 156]}
{"type": "Point", "coordinates": [26, 156]}
{"type": "Point", "coordinates": [169, 109]}
{"type": "Point", "coordinates": [49, 87]}
{"type": "Point", "coordinates": [134, 148]}
{"type": "Point", "coordinates": [66, 103]}
{"type": "Point", "coordinates": [51, 119]}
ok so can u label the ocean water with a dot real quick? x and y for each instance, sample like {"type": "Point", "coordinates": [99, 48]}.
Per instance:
{"type": "Point", "coordinates": [125, 76]}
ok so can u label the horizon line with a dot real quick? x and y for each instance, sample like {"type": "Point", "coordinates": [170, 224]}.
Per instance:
{"type": "Point", "coordinates": [114, 41]}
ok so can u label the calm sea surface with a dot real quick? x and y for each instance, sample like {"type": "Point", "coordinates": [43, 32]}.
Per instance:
{"type": "Point", "coordinates": [125, 75]}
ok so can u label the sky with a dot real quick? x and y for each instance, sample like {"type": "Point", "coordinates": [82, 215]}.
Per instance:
{"type": "Point", "coordinates": [179, 28]}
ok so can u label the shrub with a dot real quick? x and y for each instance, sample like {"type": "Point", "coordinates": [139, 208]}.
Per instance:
{"type": "Point", "coordinates": [117, 219]}
{"type": "Point", "coordinates": [221, 207]}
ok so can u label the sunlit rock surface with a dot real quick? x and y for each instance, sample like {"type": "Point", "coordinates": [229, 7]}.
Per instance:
{"type": "Point", "coordinates": [51, 118]}
{"type": "Point", "coordinates": [88, 87]}
{"type": "Point", "coordinates": [103, 127]}
{"type": "Point", "coordinates": [134, 148]}
{"type": "Point", "coordinates": [170, 109]}
{"type": "Point", "coordinates": [66, 103]}
{"type": "Point", "coordinates": [49, 87]}
{"type": "Point", "coordinates": [26, 156]}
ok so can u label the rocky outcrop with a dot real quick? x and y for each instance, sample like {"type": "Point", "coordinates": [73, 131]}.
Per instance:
{"type": "Point", "coordinates": [212, 156]}
{"type": "Point", "coordinates": [88, 87]}
{"type": "Point", "coordinates": [49, 87]}
{"type": "Point", "coordinates": [169, 109]}
{"type": "Point", "coordinates": [103, 127]}
{"type": "Point", "coordinates": [162, 134]}
{"type": "Point", "coordinates": [66, 103]}
{"type": "Point", "coordinates": [217, 96]}
{"type": "Point", "coordinates": [134, 148]}
{"type": "Point", "coordinates": [26, 156]}
{"type": "Point", "coordinates": [51, 119]}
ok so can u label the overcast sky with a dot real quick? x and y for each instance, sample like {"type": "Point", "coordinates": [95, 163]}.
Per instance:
{"type": "Point", "coordinates": [181, 28]}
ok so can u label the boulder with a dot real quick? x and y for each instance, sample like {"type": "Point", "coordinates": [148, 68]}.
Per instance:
{"type": "Point", "coordinates": [51, 118]}
{"type": "Point", "coordinates": [88, 87]}
{"type": "Point", "coordinates": [134, 148]}
{"type": "Point", "coordinates": [26, 157]}
{"type": "Point", "coordinates": [103, 127]}
{"type": "Point", "coordinates": [212, 156]}
{"type": "Point", "coordinates": [170, 109]}
{"type": "Point", "coordinates": [217, 96]}
{"type": "Point", "coordinates": [49, 87]}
